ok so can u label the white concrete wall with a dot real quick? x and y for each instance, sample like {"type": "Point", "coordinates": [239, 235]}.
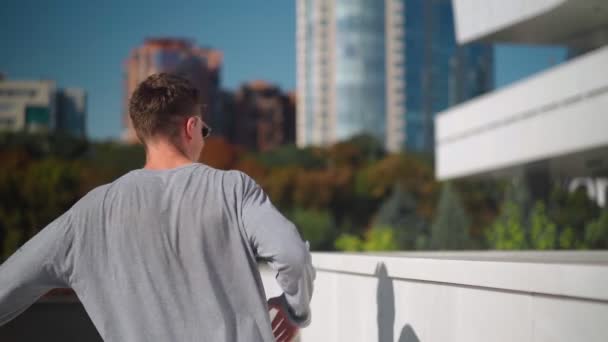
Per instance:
{"type": "Point", "coordinates": [486, 296]}
{"type": "Point", "coordinates": [558, 112]}
{"type": "Point", "coordinates": [532, 21]}
{"type": "Point", "coordinates": [26, 93]}
{"type": "Point", "coordinates": [478, 18]}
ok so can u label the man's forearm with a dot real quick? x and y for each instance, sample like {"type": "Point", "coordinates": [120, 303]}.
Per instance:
{"type": "Point", "coordinates": [297, 279]}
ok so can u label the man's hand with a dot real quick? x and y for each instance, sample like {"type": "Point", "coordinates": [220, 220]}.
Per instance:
{"type": "Point", "coordinates": [282, 328]}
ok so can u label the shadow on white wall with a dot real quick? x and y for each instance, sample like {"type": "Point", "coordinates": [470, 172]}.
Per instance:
{"type": "Point", "coordinates": [385, 299]}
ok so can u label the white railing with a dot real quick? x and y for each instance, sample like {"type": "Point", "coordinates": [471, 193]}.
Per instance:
{"type": "Point", "coordinates": [477, 296]}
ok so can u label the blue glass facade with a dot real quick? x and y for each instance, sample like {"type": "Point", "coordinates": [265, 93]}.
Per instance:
{"type": "Point", "coordinates": [360, 68]}
{"type": "Point", "coordinates": [439, 73]}
{"type": "Point", "coordinates": [71, 112]}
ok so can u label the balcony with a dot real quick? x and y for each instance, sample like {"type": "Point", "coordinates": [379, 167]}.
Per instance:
{"type": "Point", "coordinates": [557, 117]}
{"type": "Point", "coordinates": [480, 296]}
{"type": "Point", "coordinates": [532, 22]}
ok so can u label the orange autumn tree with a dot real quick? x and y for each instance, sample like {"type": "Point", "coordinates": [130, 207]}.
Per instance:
{"type": "Point", "coordinates": [219, 153]}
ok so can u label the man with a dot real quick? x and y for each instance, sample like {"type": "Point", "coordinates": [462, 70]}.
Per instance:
{"type": "Point", "coordinates": [169, 252]}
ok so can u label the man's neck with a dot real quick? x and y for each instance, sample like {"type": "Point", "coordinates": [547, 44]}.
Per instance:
{"type": "Point", "coordinates": [165, 164]}
{"type": "Point", "coordinates": [163, 157]}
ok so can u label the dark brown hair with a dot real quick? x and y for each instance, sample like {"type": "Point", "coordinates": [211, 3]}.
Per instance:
{"type": "Point", "coordinates": [160, 103]}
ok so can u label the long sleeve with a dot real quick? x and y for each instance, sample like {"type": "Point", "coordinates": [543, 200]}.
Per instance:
{"type": "Point", "coordinates": [276, 240]}
{"type": "Point", "coordinates": [38, 266]}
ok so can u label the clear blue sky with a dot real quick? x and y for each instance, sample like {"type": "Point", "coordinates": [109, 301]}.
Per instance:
{"type": "Point", "coordinates": [83, 44]}
{"type": "Point", "coordinates": [515, 62]}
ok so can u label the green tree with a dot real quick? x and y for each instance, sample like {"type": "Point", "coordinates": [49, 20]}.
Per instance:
{"type": "Point", "coordinates": [43, 145]}
{"type": "Point", "coordinates": [481, 198]}
{"type": "Point", "coordinates": [543, 232]}
{"type": "Point", "coordinates": [509, 229]}
{"type": "Point", "coordinates": [596, 232]}
{"type": "Point", "coordinates": [290, 155]}
{"type": "Point", "coordinates": [399, 212]}
{"type": "Point", "coordinates": [567, 239]}
{"type": "Point", "coordinates": [371, 148]}
{"type": "Point", "coordinates": [572, 212]}
{"type": "Point", "coordinates": [49, 188]}
{"type": "Point", "coordinates": [508, 232]}
{"type": "Point", "coordinates": [117, 158]}
{"type": "Point", "coordinates": [316, 226]}
{"type": "Point", "coordinates": [348, 243]}
{"type": "Point", "coordinates": [380, 238]}
{"type": "Point", "coordinates": [451, 227]}
{"type": "Point", "coordinates": [279, 184]}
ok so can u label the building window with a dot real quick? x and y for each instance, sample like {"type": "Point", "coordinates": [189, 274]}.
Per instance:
{"type": "Point", "coordinates": [18, 92]}
{"type": "Point", "coordinates": [5, 107]}
{"type": "Point", "coordinates": [7, 122]}
{"type": "Point", "coordinates": [37, 115]}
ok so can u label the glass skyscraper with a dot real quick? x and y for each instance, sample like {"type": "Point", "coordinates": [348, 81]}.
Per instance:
{"type": "Point", "coordinates": [360, 68]}
{"type": "Point", "coordinates": [439, 73]}
{"type": "Point", "coordinates": [382, 67]}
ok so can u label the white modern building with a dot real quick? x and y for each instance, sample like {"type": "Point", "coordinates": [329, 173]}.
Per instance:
{"type": "Point", "coordinates": [37, 106]}
{"type": "Point", "coordinates": [555, 121]}
{"type": "Point", "coordinates": [27, 105]}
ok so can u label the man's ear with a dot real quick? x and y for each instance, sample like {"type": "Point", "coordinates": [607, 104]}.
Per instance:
{"type": "Point", "coordinates": [191, 127]}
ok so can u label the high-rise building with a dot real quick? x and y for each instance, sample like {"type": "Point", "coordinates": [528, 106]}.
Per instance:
{"type": "Point", "coordinates": [264, 116]}
{"type": "Point", "coordinates": [39, 106]}
{"type": "Point", "coordinates": [438, 73]}
{"type": "Point", "coordinates": [71, 109]}
{"type": "Point", "coordinates": [383, 68]}
{"type": "Point", "coordinates": [315, 75]}
{"type": "Point", "coordinates": [200, 65]}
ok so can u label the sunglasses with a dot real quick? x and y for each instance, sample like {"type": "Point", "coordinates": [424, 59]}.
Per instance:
{"type": "Point", "coordinates": [206, 131]}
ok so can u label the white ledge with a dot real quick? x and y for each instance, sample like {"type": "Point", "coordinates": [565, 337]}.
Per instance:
{"type": "Point", "coordinates": [579, 275]}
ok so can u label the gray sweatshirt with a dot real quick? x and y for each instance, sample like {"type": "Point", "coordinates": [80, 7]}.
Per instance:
{"type": "Point", "coordinates": [167, 255]}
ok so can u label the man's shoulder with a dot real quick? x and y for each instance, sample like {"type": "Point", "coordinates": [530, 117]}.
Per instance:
{"type": "Point", "coordinates": [239, 178]}
{"type": "Point", "coordinates": [227, 176]}
{"type": "Point", "coordinates": [234, 179]}
{"type": "Point", "coordinates": [95, 194]}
